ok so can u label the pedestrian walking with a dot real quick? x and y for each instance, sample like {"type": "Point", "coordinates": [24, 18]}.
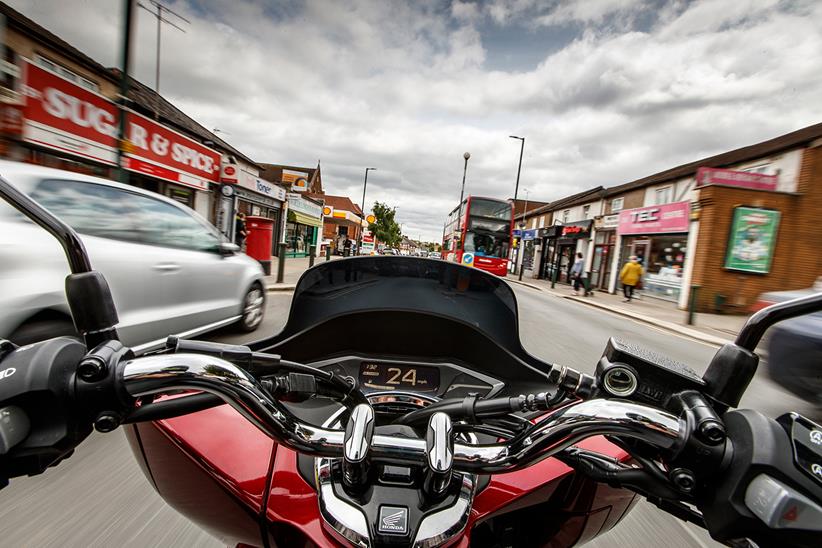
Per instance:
{"type": "Point", "coordinates": [240, 230]}
{"type": "Point", "coordinates": [347, 247]}
{"type": "Point", "coordinates": [577, 273]}
{"type": "Point", "coordinates": [630, 276]}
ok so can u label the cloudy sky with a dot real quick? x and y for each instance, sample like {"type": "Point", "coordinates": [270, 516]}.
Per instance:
{"type": "Point", "coordinates": [605, 91]}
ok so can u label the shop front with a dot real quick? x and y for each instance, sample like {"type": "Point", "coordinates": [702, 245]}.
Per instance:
{"type": "Point", "coordinates": [305, 222]}
{"type": "Point", "coordinates": [604, 243]}
{"type": "Point", "coordinates": [258, 198]}
{"type": "Point", "coordinates": [560, 250]}
{"type": "Point", "coordinates": [658, 237]}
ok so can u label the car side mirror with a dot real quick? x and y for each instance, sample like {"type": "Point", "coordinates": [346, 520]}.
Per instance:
{"type": "Point", "coordinates": [227, 248]}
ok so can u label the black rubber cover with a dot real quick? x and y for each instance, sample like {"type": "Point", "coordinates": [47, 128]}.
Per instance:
{"type": "Point", "coordinates": [90, 301]}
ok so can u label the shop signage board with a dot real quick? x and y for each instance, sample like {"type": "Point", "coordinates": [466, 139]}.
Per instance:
{"type": "Point", "coordinates": [659, 219]}
{"type": "Point", "coordinates": [264, 187]}
{"type": "Point", "coordinates": [606, 222]}
{"type": "Point", "coordinates": [529, 234]}
{"type": "Point", "coordinates": [297, 203]}
{"type": "Point", "coordinates": [728, 177]}
{"type": "Point", "coordinates": [752, 239]}
{"type": "Point", "coordinates": [230, 174]}
{"type": "Point", "coordinates": [164, 153]}
{"type": "Point", "coordinates": [576, 230]}
{"type": "Point", "coordinates": [297, 179]}
{"type": "Point", "coordinates": [61, 115]}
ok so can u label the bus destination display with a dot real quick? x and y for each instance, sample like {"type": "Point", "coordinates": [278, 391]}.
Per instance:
{"type": "Point", "coordinates": [381, 376]}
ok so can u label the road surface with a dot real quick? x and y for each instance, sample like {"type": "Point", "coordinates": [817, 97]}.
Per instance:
{"type": "Point", "coordinates": [100, 498]}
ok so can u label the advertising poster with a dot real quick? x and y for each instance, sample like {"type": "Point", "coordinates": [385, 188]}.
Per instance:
{"type": "Point", "coordinates": [752, 239]}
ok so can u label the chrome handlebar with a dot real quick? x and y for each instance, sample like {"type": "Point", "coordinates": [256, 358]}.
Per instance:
{"type": "Point", "coordinates": [555, 432]}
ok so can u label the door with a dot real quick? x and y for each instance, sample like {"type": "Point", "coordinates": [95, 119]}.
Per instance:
{"type": "Point", "coordinates": [141, 282]}
{"type": "Point", "coordinates": [202, 286]}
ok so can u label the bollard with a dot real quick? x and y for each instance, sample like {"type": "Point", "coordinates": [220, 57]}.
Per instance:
{"type": "Point", "coordinates": [328, 253]}
{"type": "Point", "coordinates": [281, 265]}
{"type": "Point", "coordinates": [312, 250]}
{"type": "Point", "coordinates": [692, 304]}
{"type": "Point", "coordinates": [521, 268]}
{"type": "Point", "coordinates": [586, 282]}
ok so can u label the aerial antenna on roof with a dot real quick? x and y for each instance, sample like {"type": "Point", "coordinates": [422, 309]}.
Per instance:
{"type": "Point", "coordinates": [159, 12]}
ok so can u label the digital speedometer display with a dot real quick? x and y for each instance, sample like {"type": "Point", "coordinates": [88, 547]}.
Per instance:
{"type": "Point", "coordinates": [384, 376]}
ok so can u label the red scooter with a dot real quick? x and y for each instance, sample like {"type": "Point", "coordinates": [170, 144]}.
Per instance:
{"type": "Point", "coordinates": [437, 429]}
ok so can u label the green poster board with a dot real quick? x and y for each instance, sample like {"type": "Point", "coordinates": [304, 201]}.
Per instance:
{"type": "Point", "coordinates": [752, 239]}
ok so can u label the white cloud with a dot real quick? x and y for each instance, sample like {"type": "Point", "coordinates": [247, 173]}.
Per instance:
{"type": "Point", "coordinates": [404, 87]}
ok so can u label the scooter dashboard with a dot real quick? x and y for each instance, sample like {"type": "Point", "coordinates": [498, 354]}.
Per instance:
{"type": "Point", "coordinates": [432, 379]}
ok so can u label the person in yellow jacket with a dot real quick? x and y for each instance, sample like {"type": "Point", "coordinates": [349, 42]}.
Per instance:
{"type": "Point", "coordinates": [630, 276]}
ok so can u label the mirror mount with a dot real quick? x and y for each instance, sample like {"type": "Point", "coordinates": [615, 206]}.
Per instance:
{"type": "Point", "coordinates": [226, 249]}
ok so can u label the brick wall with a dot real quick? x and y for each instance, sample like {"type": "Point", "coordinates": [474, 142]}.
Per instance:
{"type": "Point", "coordinates": [797, 258]}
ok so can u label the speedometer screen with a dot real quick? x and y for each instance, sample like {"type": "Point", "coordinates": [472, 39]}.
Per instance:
{"type": "Point", "coordinates": [382, 376]}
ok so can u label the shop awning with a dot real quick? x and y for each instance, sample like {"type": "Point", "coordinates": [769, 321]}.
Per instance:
{"type": "Point", "coordinates": [304, 219]}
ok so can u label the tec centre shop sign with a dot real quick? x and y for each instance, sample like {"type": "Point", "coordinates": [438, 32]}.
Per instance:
{"type": "Point", "coordinates": [665, 218]}
{"type": "Point", "coordinates": [63, 116]}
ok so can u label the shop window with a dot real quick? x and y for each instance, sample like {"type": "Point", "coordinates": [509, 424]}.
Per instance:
{"type": "Point", "coordinates": [664, 195]}
{"type": "Point", "coordinates": [617, 204]}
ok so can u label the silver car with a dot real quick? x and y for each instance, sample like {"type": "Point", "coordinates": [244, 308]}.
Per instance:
{"type": "Point", "coordinates": [170, 271]}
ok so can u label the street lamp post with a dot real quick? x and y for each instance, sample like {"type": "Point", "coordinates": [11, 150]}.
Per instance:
{"type": "Point", "coordinates": [362, 210]}
{"type": "Point", "coordinates": [516, 188]}
{"type": "Point", "coordinates": [520, 254]}
{"type": "Point", "coordinates": [467, 155]}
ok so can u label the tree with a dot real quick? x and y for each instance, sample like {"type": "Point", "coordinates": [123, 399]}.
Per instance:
{"type": "Point", "coordinates": [385, 228]}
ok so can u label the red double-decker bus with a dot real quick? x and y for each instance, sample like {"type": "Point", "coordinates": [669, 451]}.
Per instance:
{"type": "Point", "coordinates": [480, 234]}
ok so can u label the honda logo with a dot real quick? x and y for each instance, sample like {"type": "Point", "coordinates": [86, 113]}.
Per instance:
{"type": "Point", "coordinates": [393, 520]}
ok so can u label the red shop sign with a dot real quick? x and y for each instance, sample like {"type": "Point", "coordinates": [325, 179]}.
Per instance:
{"type": "Point", "coordinates": [729, 177]}
{"type": "Point", "coordinates": [655, 219]}
{"type": "Point", "coordinates": [164, 153]}
{"type": "Point", "coordinates": [61, 115]}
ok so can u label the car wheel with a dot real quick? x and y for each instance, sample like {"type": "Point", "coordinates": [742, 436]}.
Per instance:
{"type": "Point", "coordinates": [253, 309]}
{"type": "Point", "coordinates": [40, 330]}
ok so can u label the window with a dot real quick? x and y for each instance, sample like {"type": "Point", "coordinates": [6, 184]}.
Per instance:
{"type": "Point", "coordinates": [534, 222]}
{"type": "Point", "coordinates": [66, 73]}
{"type": "Point", "coordinates": [166, 225]}
{"type": "Point", "coordinates": [585, 211]}
{"type": "Point", "coordinates": [566, 215]}
{"type": "Point", "coordinates": [106, 212]}
{"type": "Point", "coordinates": [542, 221]}
{"type": "Point", "coordinates": [91, 209]}
{"type": "Point", "coordinates": [664, 195]}
{"type": "Point", "coordinates": [617, 204]}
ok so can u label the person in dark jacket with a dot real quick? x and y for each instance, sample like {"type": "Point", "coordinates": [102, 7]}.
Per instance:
{"type": "Point", "coordinates": [240, 230]}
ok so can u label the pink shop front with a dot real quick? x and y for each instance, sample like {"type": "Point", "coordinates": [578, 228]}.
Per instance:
{"type": "Point", "coordinates": [658, 236]}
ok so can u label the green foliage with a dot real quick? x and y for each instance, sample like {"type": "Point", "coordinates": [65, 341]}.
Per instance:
{"type": "Point", "coordinates": [385, 228]}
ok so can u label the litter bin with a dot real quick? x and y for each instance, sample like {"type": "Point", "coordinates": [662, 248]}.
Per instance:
{"type": "Point", "coordinates": [258, 242]}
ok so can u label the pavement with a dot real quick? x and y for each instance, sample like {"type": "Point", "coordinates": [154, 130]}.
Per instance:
{"type": "Point", "coordinates": [715, 329]}
{"type": "Point", "coordinates": [294, 268]}
{"type": "Point", "coordinates": [118, 507]}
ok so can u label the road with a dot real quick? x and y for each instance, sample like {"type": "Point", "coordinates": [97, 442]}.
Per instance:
{"type": "Point", "coordinates": [99, 497]}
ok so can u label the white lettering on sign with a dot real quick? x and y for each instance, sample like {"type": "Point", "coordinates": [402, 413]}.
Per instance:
{"type": "Point", "coordinates": [189, 156]}
{"type": "Point", "coordinates": [645, 216]}
{"type": "Point", "coordinates": [138, 136]}
{"type": "Point", "coordinates": [64, 106]}
{"type": "Point", "coordinates": [7, 372]}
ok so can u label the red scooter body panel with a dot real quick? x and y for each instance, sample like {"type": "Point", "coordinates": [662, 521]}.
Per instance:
{"type": "Point", "coordinates": [235, 456]}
